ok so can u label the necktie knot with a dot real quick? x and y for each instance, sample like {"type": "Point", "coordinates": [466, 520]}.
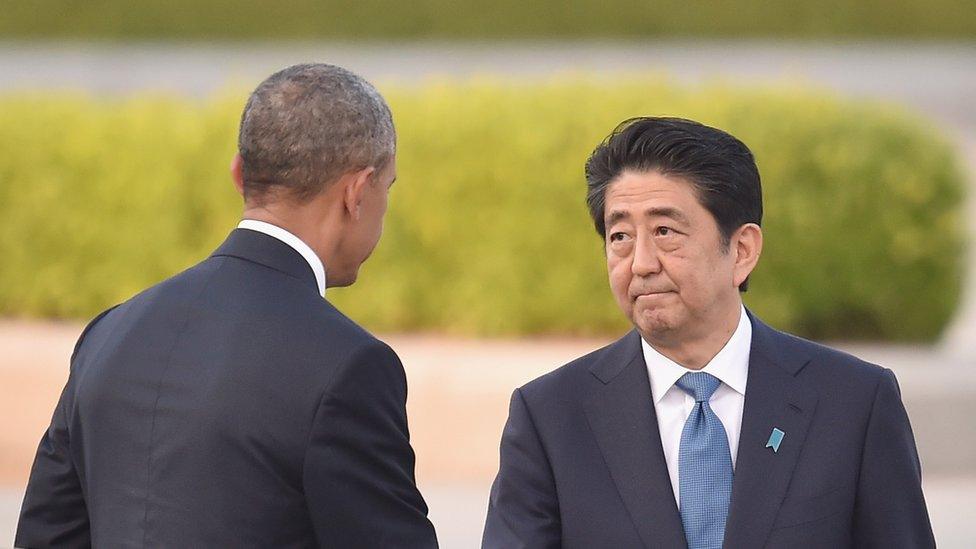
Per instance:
{"type": "Point", "coordinates": [700, 385]}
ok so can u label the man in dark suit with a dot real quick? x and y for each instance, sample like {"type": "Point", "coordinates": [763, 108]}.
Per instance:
{"type": "Point", "coordinates": [232, 405]}
{"type": "Point", "coordinates": [703, 427]}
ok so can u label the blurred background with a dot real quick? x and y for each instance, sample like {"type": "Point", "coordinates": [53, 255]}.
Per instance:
{"type": "Point", "coordinates": [118, 122]}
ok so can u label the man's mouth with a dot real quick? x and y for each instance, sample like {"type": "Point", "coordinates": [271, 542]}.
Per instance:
{"type": "Point", "coordinates": [635, 297]}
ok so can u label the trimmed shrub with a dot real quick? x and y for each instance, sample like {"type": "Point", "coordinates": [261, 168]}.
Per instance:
{"type": "Point", "coordinates": [488, 233]}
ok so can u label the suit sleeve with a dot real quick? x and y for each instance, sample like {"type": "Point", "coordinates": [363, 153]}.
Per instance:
{"type": "Point", "coordinates": [889, 510]}
{"type": "Point", "coordinates": [54, 513]}
{"type": "Point", "coordinates": [359, 466]}
{"type": "Point", "coordinates": [522, 510]}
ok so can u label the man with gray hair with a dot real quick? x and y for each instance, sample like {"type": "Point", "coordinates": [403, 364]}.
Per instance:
{"type": "Point", "coordinates": [232, 405]}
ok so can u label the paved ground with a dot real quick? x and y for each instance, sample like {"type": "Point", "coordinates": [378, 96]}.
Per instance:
{"type": "Point", "coordinates": [458, 402]}
{"type": "Point", "coordinates": [458, 512]}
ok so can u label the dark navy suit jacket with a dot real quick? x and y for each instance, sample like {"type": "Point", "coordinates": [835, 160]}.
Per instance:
{"type": "Point", "coordinates": [582, 464]}
{"type": "Point", "coordinates": [229, 406]}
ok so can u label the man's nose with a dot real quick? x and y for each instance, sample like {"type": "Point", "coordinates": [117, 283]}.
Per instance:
{"type": "Point", "coordinates": [646, 261]}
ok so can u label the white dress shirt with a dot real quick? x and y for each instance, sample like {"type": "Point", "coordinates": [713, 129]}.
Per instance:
{"type": "Point", "coordinates": [673, 405]}
{"type": "Point", "coordinates": [288, 238]}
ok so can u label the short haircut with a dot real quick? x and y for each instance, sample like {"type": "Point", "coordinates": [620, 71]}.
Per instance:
{"type": "Point", "coordinates": [720, 168]}
{"type": "Point", "coordinates": [306, 125]}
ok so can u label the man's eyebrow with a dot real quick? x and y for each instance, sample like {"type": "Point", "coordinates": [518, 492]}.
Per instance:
{"type": "Point", "coordinates": [616, 215]}
{"type": "Point", "coordinates": [663, 211]}
{"type": "Point", "coordinates": [672, 213]}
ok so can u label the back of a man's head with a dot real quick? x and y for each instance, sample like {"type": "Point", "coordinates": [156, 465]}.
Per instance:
{"type": "Point", "coordinates": [305, 126]}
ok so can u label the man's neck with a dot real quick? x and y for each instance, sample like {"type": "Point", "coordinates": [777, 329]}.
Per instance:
{"type": "Point", "coordinates": [271, 216]}
{"type": "Point", "coordinates": [293, 222]}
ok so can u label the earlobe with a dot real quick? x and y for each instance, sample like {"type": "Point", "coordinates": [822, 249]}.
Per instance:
{"type": "Point", "coordinates": [748, 248]}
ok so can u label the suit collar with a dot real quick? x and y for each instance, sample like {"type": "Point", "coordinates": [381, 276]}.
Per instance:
{"type": "Point", "coordinates": [292, 240]}
{"type": "Point", "coordinates": [776, 347]}
{"type": "Point", "coordinates": [616, 356]}
{"type": "Point", "coordinates": [268, 251]}
{"type": "Point", "coordinates": [622, 418]}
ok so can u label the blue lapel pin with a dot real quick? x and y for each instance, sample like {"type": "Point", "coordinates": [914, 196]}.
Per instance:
{"type": "Point", "coordinates": [775, 438]}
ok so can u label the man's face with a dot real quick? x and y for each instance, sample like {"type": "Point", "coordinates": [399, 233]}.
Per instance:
{"type": "Point", "coordinates": [669, 271]}
{"type": "Point", "coordinates": [363, 234]}
{"type": "Point", "coordinates": [375, 201]}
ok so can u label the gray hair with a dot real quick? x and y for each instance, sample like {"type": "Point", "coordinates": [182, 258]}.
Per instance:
{"type": "Point", "coordinates": [308, 124]}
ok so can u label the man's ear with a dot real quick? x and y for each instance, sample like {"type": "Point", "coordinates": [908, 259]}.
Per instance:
{"type": "Point", "coordinates": [354, 186]}
{"type": "Point", "coordinates": [747, 243]}
{"type": "Point", "coordinates": [237, 173]}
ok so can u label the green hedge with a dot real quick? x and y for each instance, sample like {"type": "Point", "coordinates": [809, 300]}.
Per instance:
{"type": "Point", "coordinates": [487, 231]}
{"type": "Point", "coordinates": [466, 19]}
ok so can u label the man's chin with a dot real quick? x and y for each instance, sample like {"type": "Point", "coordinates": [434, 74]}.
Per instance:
{"type": "Point", "coordinates": [653, 323]}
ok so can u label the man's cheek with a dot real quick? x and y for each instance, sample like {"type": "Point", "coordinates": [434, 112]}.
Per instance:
{"type": "Point", "coordinates": [619, 281]}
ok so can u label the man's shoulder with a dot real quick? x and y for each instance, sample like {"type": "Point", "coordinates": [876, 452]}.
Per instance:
{"type": "Point", "coordinates": [568, 380]}
{"type": "Point", "coordinates": [829, 365]}
{"type": "Point", "coordinates": [206, 295]}
{"type": "Point", "coordinates": [342, 326]}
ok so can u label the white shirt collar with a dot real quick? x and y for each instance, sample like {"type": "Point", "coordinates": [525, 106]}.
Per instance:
{"type": "Point", "coordinates": [288, 238]}
{"type": "Point", "coordinates": [730, 365]}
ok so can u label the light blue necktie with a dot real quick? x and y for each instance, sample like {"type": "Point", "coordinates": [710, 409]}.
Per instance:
{"type": "Point", "coordinates": [704, 467]}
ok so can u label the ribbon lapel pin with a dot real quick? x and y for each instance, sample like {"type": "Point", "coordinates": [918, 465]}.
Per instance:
{"type": "Point", "coordinates": [775, 439]}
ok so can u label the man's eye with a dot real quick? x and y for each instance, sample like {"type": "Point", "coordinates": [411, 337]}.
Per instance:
{"type": "Point", "coordinates": [617, 237]}
{"type": "Point", "coordinates": [664, 231]}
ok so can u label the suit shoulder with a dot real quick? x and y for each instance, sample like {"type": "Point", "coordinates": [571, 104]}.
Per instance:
{"type": "Point", "coordinates": [330, 332]}
{"type": "Point", "coordinates": [566, 379]}
{"type": "Point", "coordinates": [88, 328]}
{"type": "Point", "coordinates": [833, 364]}
{"type": "Point", "coordinates": [342, 325]}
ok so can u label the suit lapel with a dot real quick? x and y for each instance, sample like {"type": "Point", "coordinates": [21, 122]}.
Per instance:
{"type": "Point", "coordinates": [621, 416]}
{"type": "Point", "coordinates": [774, 399]}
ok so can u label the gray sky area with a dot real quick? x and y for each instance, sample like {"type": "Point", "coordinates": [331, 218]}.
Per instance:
{"type": "Point", "coordinates": [939, 79]}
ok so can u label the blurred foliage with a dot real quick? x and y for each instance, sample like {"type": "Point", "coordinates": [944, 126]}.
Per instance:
{"type": "Point", "coordinates": [451, 19]}
{"type": "Point", "coordinates": [487, 232]}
